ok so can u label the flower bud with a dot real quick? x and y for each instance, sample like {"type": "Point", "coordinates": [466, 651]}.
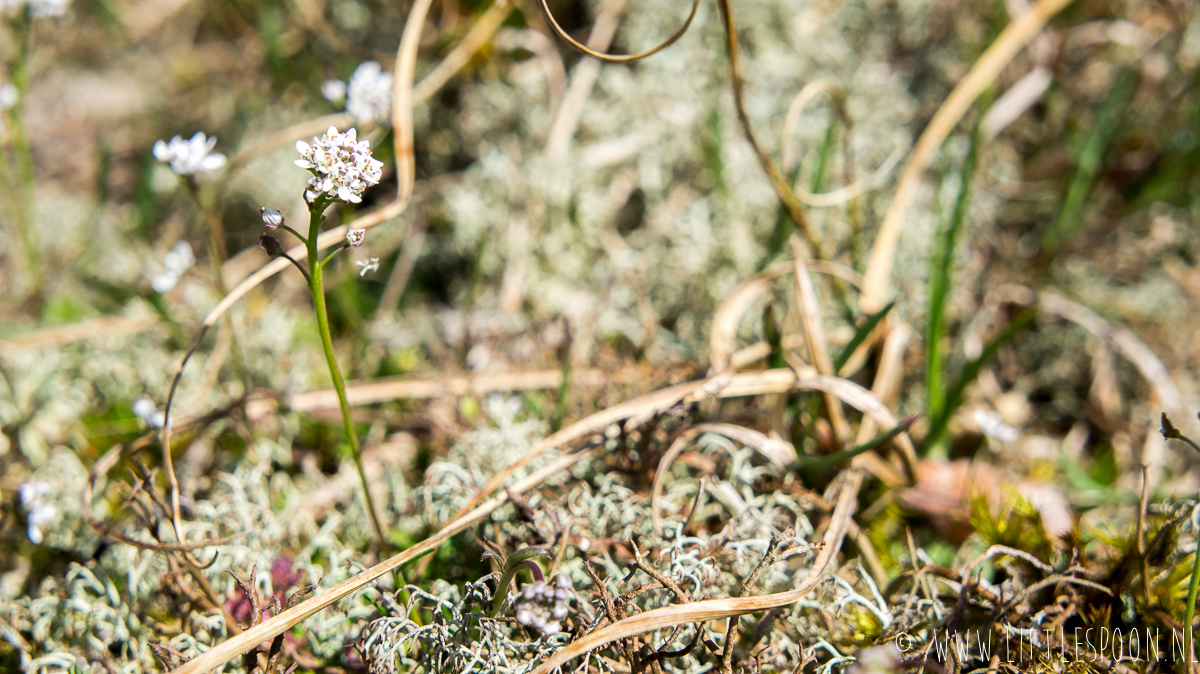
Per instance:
{"type": "Point", "coordinates": [271, 245]}
{"type": "Point", "coordinates": [271, 217]}
{"type": "Point", "coordinates": [355, 237]}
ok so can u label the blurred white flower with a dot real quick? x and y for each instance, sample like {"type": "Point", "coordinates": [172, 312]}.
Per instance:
{"type": "Point", "coordinates": [145, 408]}
{"type": "Point", "coordinates": [993, 426]}
{"type": "Point", "coordinates": [341, 165]}
{"type": "Point", "coordinates": [355, 237]}
{"type": "Point", "coordinates": [8, 96]}
{"type": "Point", "coordinates": [333, 90]}
{"type": "Point", "coordinates": [177, 261]}
{"type": "Point", "coordinates": [369, 94]}
{"type": "Point", "coordinates": [38, 513]}
{"type": "Point", "coordinates": [38, 9]}
{"type": "Point", "coordinates": [368, 265]}
{"type": "Point", "coordinates": [189, 157]}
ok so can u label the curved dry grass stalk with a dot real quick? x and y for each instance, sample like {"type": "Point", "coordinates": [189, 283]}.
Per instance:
{"type": "Point", "coordinates": [854, 190]}
{"type": "Point", "coordinates": [722, 340]}
{"type": "Point", "coordinates": [273, 627]}
{"type": "Point", "coordinates": [778, 452]}
{"type": "Point", "coordinates": [283, 138]}
{"type": "Point", "coordinates": [592, 50]}
{"type": "Point", "coordinates": [1012, 39]}
{"type": "Point", "coordinates": [808, 93]}
{"type": "Point", "coordinates": [716, 609]}
{"type": "Point", "coordinates": [583, 78]}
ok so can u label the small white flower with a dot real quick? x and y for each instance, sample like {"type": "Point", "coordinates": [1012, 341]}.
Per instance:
{"type": "Point", "coordinates": [179, 259]}
{"type": "Point", "coordinates": [369, 94]}
{"type": "Point", "coordinates": [38, 513]}
{"type": "Point", "coordinates": [341, 165]}
{"type": "Point", "coordinates": [175, 263]}
{"type": "Point", "coordinates": [368, 265]}
{"type": "Point", "coordinates": [145, 408]}
{"type": "Point", "coordinates": [333, 90]}
{"type": "Point", "coordinates": [355, 237]}
{"type": "Point", "coordinates": [189, 157]}
{"type": "Point", "coordinates": [8, 96]}
{"type": "Point", "coordinates": [993, 426]}
{"type": "Point", "coordinates": [271, 218]}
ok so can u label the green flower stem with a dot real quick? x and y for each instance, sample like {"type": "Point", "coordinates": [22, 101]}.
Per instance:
{"type": "Point", "coordinates": [1169, 432]}
{"type": "Point", "coordinates": [315, 284]}
{"type": "Point", "coordinates": [520, 560]}
{"type": "Point", "coordinates": [23, 189]}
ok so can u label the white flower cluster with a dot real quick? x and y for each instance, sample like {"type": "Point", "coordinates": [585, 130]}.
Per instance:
{"type": "Point", "coordinates": [369, 94]}
{"type": "Point", "coordinates": [542, 605]}
{"type": "Point", "coordinates": [189, 157]}
{"type": "Point", "coordinates": [38, 9]}
{"type": "Point", "coordinates": [367, 266]}
{"type": "Point", "coordinates": [175, 263]}
{"type": "Point", "coordinates": [38, 513]}
{"type": "Point", "coordinates": [342, 166]}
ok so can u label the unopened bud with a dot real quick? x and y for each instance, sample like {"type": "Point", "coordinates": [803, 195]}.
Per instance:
{"type": "Point", "coordinates": [355, 237]}
{"type": "Point", "coordinates": [271, 245]}
{"type": "Point", "coordinates": [271, 217]}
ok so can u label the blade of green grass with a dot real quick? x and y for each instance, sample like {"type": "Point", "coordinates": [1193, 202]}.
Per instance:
{"type": "Point", "coordinates": [839, 457]}
{"type": "Point", "coordinates": [937, 428]}
{"type": "Point", "coordinates": [861, 334]}
{"type": "Point", "coordinates": [1091, 160]}
{"type": "Point", "coordinates": [939, 284]}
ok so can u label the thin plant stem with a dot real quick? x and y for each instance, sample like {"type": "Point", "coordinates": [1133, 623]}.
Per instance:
{"type": "Point", "coordinates": [23, 154]}
{"type": "Point", "coordinates": [1169, 432]}
{"type": "Point", "coordinates": [315, 281]}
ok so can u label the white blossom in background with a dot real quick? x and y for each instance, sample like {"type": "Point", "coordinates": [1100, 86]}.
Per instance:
{"type": "Point", "coordinates": [993, 426]}
{"type": "Point", "coordinates": [145, 409]}
{"type": "Point", "coordinates": [369, 94]}
{"type": "Point", "coordinates": [177, 261]}
{"type": "Point", "coordinates": [541, 605]}
{"type": "Point", "coordinates": [8, 96]}
{"type": "Point", "coordinates": [38, 9]}
{"type": "Point", "coordinates": [333, 90]}
{"type": "Point", "coordinates": [189, 157]}
{"type": "Point", "coordinates": [367, 266]}
{"type": "Point", "coordinates": [38, 513]}
{"type": "Point", "coordinates": [341, 165]}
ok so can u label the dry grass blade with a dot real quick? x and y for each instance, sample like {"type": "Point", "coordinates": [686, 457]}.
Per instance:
{"type": "Point", "coordinates": [716, 609]}
{"type": "Point", "coordinates": [810, 321]}
{"type": "Point", "coordinates": [889, 374]}
{"type": "Point", "coordinates": [483, 30]}
{"type": "Point", "coordinates": [402, 95]}
{"type": "Point", "coordinates": [1014, 37]}
{"type": "Point", "coordinates": [844, 194]}
{"type": "Point", "coordinates": [75, 332]}
{"type": "Point", "coordinates": [723, 336]}
{"type": "Point", "coordinates": [269, 629]}
{"type": "Point", "coordinates": [395, 388]}
{"type": "Point", "coordinates": [284, 137]}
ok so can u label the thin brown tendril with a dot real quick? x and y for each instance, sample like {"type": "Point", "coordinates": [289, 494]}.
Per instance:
{"type": "Point", "coordinates": [619, 58]}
